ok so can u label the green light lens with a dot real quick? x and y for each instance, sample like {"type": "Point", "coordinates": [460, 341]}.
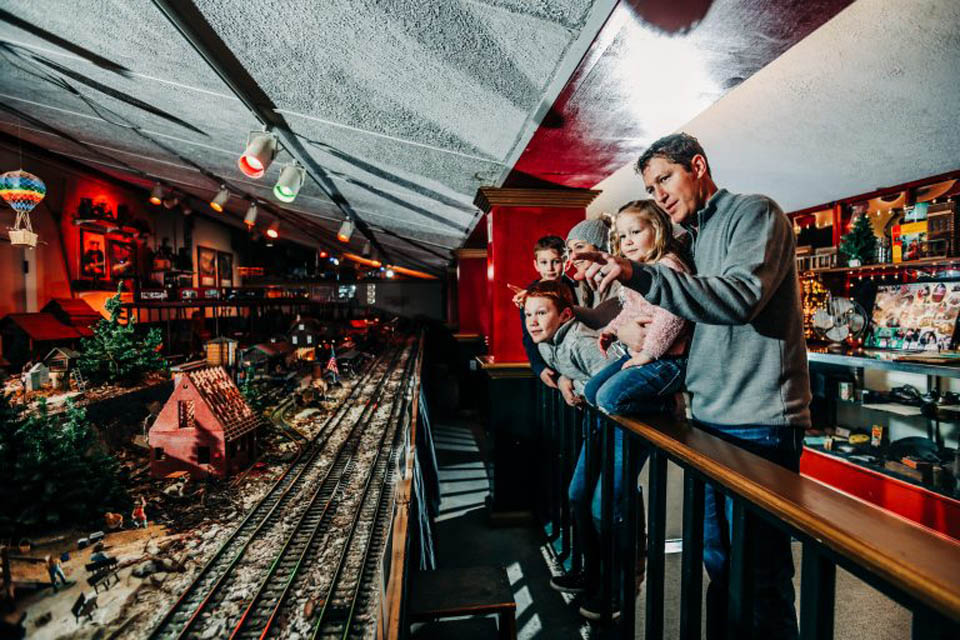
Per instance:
{"type": "Point", "coordinates": [283, 194]}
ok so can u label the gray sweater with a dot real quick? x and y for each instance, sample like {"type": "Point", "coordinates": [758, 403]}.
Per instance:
{"type": "Point", "coordinates": [573, 352]}
{"type": "Point", "coordinates": [748, 358]}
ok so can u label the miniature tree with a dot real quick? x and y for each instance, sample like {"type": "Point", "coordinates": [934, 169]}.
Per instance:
{"type": "Point", "coordinates": [52, 470]}
{"type": "Point", "coordinates": [116, 353]}
{"type": "Point", "coordinates": [861, 243]}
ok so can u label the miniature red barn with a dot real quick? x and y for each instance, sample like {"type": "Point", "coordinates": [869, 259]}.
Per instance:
{"type": "Point", "coordinates": [205, 427]}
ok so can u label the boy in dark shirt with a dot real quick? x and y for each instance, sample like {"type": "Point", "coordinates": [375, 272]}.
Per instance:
{"type": "Point", "coordinates": [548, 259]}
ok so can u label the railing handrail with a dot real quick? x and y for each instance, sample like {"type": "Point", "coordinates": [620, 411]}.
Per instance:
{"type": "Point", "coordinates": [918, 561]}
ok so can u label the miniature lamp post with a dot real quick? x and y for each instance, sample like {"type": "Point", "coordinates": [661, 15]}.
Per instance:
{"type": "Point", "coordinates": [23, 191]}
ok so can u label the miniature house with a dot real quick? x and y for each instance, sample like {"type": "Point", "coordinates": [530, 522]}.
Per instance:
{"type": "Point", "coordinates": [266, 355]}
{"type": "Point", "coordinates": [305, 333]}
{"type": "Point", "coordinates": [206, 427]}
{"type": "Point", "coordinates": [61, 361]}
{"type": "Point", "coordinates": [75, 313]}
{"type": "Point", "coordinates": [30, 335]}
{"type": "Point", "coordinates": [221, 352]}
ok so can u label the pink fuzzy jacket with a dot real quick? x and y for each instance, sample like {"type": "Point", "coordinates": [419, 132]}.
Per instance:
{"type": "Point", "coordinates": [666, 334]}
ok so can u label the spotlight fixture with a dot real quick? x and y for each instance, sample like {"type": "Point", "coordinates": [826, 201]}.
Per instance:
{"type": "Point", "coordinates": [346, 230]}
{"type": "Point", "coordinates": [289, 183]}
{"type": "Point", "coordinates": [250, 218]}
{"type": "Point", "coordinates": [390, 273]}
{"type": "Point", "coordinates": [171, 201]}
{"type": "Point", "coordinates": [260, 151]}
{"type": "Point", "coordinates": [273, 230]}
{"type": "Point", "coordinates": [156, 194]}
{"type": "Point", "coordinates": [220, 200]}
{"type": "Point", "coordinates": [367, 250]}
{"type": "Point", "coordinates": [186, 208]}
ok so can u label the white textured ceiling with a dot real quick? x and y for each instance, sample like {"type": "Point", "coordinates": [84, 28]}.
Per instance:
{"type": "Point", "coordinates": [870, 99]}
{"type": "Point", "coordinates": [408, 105]}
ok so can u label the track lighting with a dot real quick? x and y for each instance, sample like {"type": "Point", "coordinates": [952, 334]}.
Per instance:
{"type": "Point", "coordinates": [250, 218]}
{"type": "Point", "coordinates": [367, 250]}
{"type": "Point", "coordinates": [346, 230]}
{"type": "Point", "coordinates": [156, 194]}
{"type": "Point", "coordinates": [289, 183]}
{"type": "Point", "coordinates": [260, 151]}
{"type": "Point", "coordinates": [274, 229]}
{"type": "Point", "coordinates": [220, 200]}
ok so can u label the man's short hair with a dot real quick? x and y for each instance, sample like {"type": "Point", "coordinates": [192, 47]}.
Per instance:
{"type": "Point", "coordinates": [555, 290]}
{"type": "Point", "coordinates": [679, 148]}
{"type": "Point", "coordinates": [554, 243]}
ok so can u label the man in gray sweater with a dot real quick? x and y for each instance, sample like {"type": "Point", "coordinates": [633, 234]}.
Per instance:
{"type": "Point", "coordinates": [747, 369]}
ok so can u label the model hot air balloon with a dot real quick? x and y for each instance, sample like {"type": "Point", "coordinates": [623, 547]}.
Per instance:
{"type": "Point", "coordinates": [22, 191]}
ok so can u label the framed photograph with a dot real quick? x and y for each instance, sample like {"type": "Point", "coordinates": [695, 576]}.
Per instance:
{"type": "Point", "coordinates": [206, 267]}
{"type": "Point", "coordinates": [122, 258]}
{"type": "Point", "coordinates": [93, 262]}
{"type": "Point", "coordinates": [225, 268]}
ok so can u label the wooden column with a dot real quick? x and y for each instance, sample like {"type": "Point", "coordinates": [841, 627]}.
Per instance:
{"type": "Point", "coordinates": [516, 218]}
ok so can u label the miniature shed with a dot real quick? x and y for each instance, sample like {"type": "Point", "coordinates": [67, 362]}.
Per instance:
{"type": "Point", "coordinates": [221, 352]}
{"type": "Point", "coordinates": [61, 361]}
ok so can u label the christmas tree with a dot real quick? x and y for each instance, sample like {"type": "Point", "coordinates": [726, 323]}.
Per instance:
{"type": "Point", "coordinates": [52, 470]}
{"type": "Point", "coordinates": [116, 354]}
{"type": "Point", "coordinates": [861, 243]}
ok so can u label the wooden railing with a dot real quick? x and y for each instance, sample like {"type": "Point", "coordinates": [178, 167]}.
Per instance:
{"type": "Point", "coordinates": [916, 567]}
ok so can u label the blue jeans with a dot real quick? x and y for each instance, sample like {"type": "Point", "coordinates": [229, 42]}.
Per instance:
{"type": "Point", "coordinates": [774, 613]}
{"type": "Point", "coordinates": [647, 389]}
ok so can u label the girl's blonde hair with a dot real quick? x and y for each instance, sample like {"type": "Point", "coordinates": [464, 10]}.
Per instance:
{"type": "Point", "coordinates": [664, 241]}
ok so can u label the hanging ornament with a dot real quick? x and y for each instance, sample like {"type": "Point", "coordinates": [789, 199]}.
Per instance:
{"type": "Point", "coordinates": [23, 191]}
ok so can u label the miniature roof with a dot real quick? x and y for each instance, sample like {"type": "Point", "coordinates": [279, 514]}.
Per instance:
{"type": "Point", "coordinates": [67, 351]}
{"type": "Point", "coordinates": [271, 348]}
{"type": "Point", "coordinates": [74, 311]}
{"type": "Point", "coordinates": [37, 366]}
{"type": "Point", "coordinates": [44, 327]}
{"type": "Point", "coordinates": [221, 339]}
{"type": "Point", "coordinates": [225, 400]}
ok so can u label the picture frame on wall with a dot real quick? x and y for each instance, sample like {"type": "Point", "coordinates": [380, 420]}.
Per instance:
{"type": "Point", "coordinates": [206, 267]}
{"type": "Point", "coordinates": [93, 263]}
{"type": "Point", "coordinates": [225, 268]}
{"type": "Point", "coordinates": [122, 258]}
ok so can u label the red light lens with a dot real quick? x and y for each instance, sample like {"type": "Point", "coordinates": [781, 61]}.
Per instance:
{"type": "Point", "coordinates": [250, 166]}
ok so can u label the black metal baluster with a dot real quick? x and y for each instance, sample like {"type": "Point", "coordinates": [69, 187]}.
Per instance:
{"type": "Point", "coordinates": [576, 428]}
{"type": "Point", "coordinates": [606, 513]}
{"type": "Point", "coordinates": [628, 555]}
{"type": "Point", "coordinates": [691, 570]}
{"type": "Point", "coordinates": [564, 477]}
{"type": "Point", "coordinates": [740, 584]}
{"type": "Point", "coordinates": [656, 537]}
{"type": "Point", "coordinates": [817, 594]}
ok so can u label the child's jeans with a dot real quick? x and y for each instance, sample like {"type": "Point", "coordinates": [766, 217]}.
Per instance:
{"type": "Point", "coordinates": [637, 390]}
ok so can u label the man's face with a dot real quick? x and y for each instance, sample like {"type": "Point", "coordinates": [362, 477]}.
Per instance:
{"type": "Point", "coordinates": [675, 188]}
{"type": "Point", "coordinates": [542, 318]}
{"type": "Point", "coordinates": [548, 263]}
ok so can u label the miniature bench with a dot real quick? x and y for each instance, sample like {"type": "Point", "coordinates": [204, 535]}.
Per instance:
{"type": "Point", "coordinates": [84, 606]}
{"type": "Point", "coordinates": [101, 574]}
{"type": "Point", "coordinates": [447, 593]}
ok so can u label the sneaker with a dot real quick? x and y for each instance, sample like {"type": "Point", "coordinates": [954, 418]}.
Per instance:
{"type": "Point", "coordinates": [569, 583]}
{"type": "Point", "coordinates": [592, 609]}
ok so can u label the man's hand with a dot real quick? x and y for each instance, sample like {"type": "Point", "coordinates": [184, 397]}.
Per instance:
{"type": "Point", "coordinates": [566, 389]}
{"type": "Point", "coordinates": [549, 377]}
{"type": "Point", "coordinates": [632, 333]}
{"type": "Point", "coordinates": [637, 360]}
{"type": "Point", "coordinates": [604, 340]}
{"type": "Point", "coordinates": [605, 269]}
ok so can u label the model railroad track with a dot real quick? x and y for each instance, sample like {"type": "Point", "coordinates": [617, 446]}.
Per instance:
{"type": "Point", "coordinates": [271, 602]}
{"type": "Point", "coordinates": [199, 595]}
{"type": "Point", "coordinates": [344, 613]}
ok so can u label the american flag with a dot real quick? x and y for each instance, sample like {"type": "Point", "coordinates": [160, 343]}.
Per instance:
{"type": "Point", "coordinates": [332, 363]}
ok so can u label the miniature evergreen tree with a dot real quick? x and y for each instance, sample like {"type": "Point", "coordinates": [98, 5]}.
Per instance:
{"type": "Point", "coordinates": [861, 243]}
{"type": "Point", "coordinates": [52, 471]}
{"type": "Point", "coordinates": [116, 354]}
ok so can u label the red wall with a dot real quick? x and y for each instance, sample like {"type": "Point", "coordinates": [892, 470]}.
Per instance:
{"type": "Point", "coordinates": [512, 234]}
